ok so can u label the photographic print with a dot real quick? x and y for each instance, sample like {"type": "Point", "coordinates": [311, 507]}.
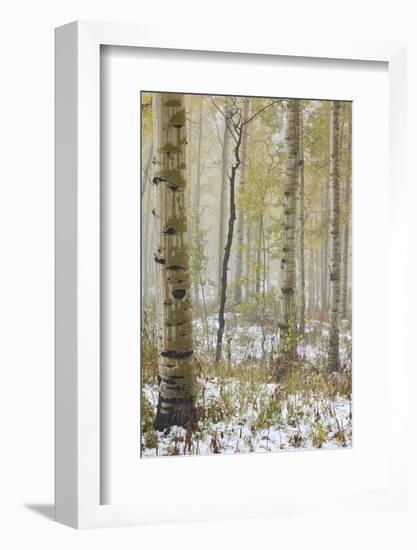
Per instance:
{"type": "Point", "coordinates": [246, 292]}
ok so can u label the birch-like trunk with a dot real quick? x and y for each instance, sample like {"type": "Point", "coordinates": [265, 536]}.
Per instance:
{"type": "Point", "coordinates": [247, 263]}
{"type": "Point", "coordinates": [311, 289]}
{"type": "Point", "coordinates": [223, 197]}
{"type": "Point", "coordinates": [240, 213]}
{"type": "Point", "coordinates": [335, 255]}
{"type": "Point", "coordinates": [301, 220]}
{"type": "Point", "coordinates": [146, 194]}
{"type": "Point", "coordinates": [346, 229]}
{"type": "Point", "coordinates": [259, 255]}
{"type": "Point", "coordinates": [324, 250]}
{"type": "Point", "coordinates": [146, 246]}
{"type": "Point", "coordinates": [146, 171]}
{"type": "Point", "coordinates": [197, 196]}
{"type": "Point", "coordinates": [288, 235]}
{"type": "Point", "coordinates": [175, 354]}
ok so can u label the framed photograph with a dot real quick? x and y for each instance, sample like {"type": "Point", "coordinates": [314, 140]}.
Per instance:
{"type": "Point", "coordinates": [227, 215]}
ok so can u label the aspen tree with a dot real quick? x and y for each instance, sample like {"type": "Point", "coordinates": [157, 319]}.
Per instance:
{"type": "Point", "coordinates": [176, 404]}
{"type": "Point", "coordinates": [288, 233]}
{"type": "Point", "coordinates": [324, 249]}
{"type": "Point", "coordinates": [301, 219]}
{"type": "Point", "coordinates": [240, 213]}
{"type": "Point", "coordinates": [224, 182]}
{"type": "Point", "coordinates": [197, 191]}
{"type": "Point", "coordinates": [346, 229]}
{"type": "Point", "coordinates": [335, 255]}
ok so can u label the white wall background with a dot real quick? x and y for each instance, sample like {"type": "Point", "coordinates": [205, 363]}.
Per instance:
{"type": "Point", "coordinates": [26, 269]}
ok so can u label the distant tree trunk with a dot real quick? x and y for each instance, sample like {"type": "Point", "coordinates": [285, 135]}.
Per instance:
{"type": "Point", "coordinates": [223, 194]}
{"type": "Point", "coordinates": [324, 251]}
{"type": "Point", "coordinates": [258, 255]}
{"type": "Point", "coordinates": [263, 291]}
{"type": "Point", "coordinates": [288, 235]}
{"type": "Point", "coordinates": [311, 289]}
{"type": "Point", "coordinates": [268, 263]}
{"type": "Point", "coordinates": [145, 200]}
{"type": "Point", "coordinates": [317, 283]}
{"type": "Point", "coordinates": [247, 263]}
{"type": "Point", "coordinates": [205, 314]}
{"type": "Point", "coordinates": [324, 259]}
{"type": "Point", "coordinates": [190, 149]}
{"type": "Point", "coordinates": [229, 241]}
{"type": "Point", "coordinates": [335, 256]}
{"type": "Point", "coordinates": [176, 401]}
{"type": "Point", "coordinates": [301, 221]}
{"type": "Point", "coordinates": [145, 238]}
{"type": "Point", "coordinates": [240, 213]}
{"type": "Point", "coordinates": [197, 196]}
{"type": "Point", "coordinates": [346, 229]}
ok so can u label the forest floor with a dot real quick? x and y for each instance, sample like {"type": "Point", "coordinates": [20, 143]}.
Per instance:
{"type": "Point", "coordinates": [243, 407]}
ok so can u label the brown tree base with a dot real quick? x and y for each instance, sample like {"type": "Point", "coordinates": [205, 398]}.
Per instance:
{"type": "Point", "coordinates": [175, 411]}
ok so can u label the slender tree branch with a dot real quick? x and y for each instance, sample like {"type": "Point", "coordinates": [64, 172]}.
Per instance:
{"type": "Point", "coordinates": [260, 111]}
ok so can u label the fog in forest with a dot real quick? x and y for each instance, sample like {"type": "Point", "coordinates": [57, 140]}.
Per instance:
{"type": "Point", "coordinates": [245, 274]}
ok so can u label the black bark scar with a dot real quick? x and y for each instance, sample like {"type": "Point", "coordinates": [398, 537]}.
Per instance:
{"type": "Point", "coordinates": [176, 354]}
{"type": "Point", "coordinates": [178, 293]}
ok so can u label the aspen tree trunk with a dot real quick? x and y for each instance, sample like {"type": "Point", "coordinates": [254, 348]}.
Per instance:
{"type": "Point", "coordinates": [190, 150]}
{"type": "Point", "coordinates": [346, 229]}
{"type": "Point", "coordinates": [335, 255]}
{"type": "Point", "coordinates": [247, 263]}
{"type": "Point", "coordinates": [258, 256]}
{"type": "Point", "coordinates": [263, 291]}
{"type": "Point", "coordinates": [324, 251]}
{"type": "Point", "coordinates": [146, 171]}
{"type": "Point", "coordinates": [324, 305]}
{"type": "Point", "coordinates": [197, 195]}
{"type": "Point", "coordinates": [145, 238]}
{"type": "Point", "coordinates": [317, 283]}
{"type": "Point", "coordinates": [175, 363]}
{"type": "Point", "coordinates": [301, 220]}
{"type": "Point", "coordinates": [240, 213]}
{"type": "Point", "coordinates": [248, 251]}
{"type": "Point", "coordinates": [223, 197]}
{"type": "Point", "coordinates": [288, 235]}
{"type": "Point", "coordinates": [314, 289]}
{"type": "Point", "coordinates": [268, 264]}
{"type": "Point", "coordinates": [146, 198]}
{"type": "Point", "coordinates": [311, 283]}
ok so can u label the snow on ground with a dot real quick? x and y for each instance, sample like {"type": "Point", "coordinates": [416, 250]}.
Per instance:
{"type": "Point", "coordinates": [297, 427]}
{"type": "Point", "coordinates": [255, 419]}
{"type": "Point", "coordinates": [242, 342]}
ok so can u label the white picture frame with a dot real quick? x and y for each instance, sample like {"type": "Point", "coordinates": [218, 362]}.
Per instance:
{"type": "Point", "coordinates": [77, 242]}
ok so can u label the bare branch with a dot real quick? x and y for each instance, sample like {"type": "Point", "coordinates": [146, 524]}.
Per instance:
{"type": "Point", "coordinates": [260, 111]}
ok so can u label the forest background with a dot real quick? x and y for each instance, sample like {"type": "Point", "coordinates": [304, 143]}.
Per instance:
{"type": "Point", "coordinates": [264, 190]}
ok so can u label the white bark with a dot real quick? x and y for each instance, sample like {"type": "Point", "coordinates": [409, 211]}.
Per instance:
{"type": "Point", "coordinates": [324, 250]}
{"type": "Point", "coordinates": [346, 229]}
{"type": "Point", "coordinates": [301, 219]}
{"type": "Point", "coordinates": [175, 363]}
{"type": "Point", "coordinates": [197, 191]}
{"type": "Point", "coordinates": [288, 235]}
{"type": "Point", "coordinates": [223, 197]}
{"type": "Point", "coordinates": [335, 255]}
{"type": "Point", "coordinates": [240, 213]}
